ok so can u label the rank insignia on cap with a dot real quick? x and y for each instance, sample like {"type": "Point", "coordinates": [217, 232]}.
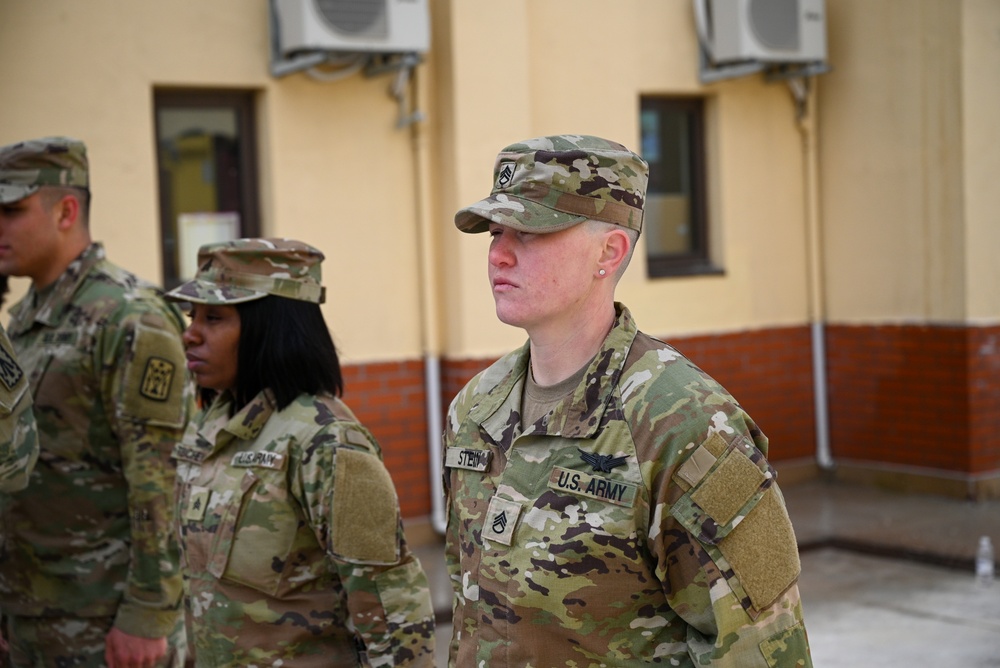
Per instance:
{"type": "Point", "coordinates": [156, 379]}
{"type": "Point", "coordinates": [603, 463]}
{"type": "Point", "coordinates": [10, 371]}
{"type": "Point", "coordinates": [505, 174]}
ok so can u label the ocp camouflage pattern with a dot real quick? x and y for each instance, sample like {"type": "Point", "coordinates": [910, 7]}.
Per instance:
{"type": "Point", "coordinates": [50, 161]}
{"type": "Point", "coordinates": [551, 183]}
{"type": "Point", "coordinates": [231, 272]}
{"type": "Point", "coordinates": [637, 523]}
{"type": "Point", "coordinates": [92, 534]}
{"type": "Point", "coordinates": [18, 432]}
{"type": "Point", "coordinates": [292, 545]}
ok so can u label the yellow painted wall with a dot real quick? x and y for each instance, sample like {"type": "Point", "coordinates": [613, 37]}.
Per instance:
{"type": "Point", "coordinates": [907, 152]}
{"type": "Point", "coordinates": [524, 69]}
{"type": "Point", "coordinates": [981, 146]}
{"type": "Point", "coordinates": [909, 160]}
{"type": "Point", "coordinates": [334, 170]}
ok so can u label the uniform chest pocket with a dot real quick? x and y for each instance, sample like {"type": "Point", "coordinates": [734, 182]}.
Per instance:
{"type": "Point", "coordinates": [225, 508]}
{"type": "Point", "coordinates": [256, 533]}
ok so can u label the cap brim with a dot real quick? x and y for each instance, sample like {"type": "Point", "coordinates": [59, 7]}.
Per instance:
{"type": "Point", "coordinates": [205, 292]}
{"type": "Point", "coordinates": [10, 193]}
{"type": "Point", "coordinates": [515, 212]}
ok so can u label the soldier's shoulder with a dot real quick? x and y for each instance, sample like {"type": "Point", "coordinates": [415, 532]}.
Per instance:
{"type": "Point", "coordinates": [126, 295]}
{"type": "Point", "coordinates": [656, 367]}
{"type": "Point", "coordinates": [485, 381]}
{"type": "Point", "coordinates": [325, 418]}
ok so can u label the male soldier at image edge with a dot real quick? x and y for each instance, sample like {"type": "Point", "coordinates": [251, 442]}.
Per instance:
{"type": "Point", "coordinates": [626, 515]}
{"type": "Point", "coordinates": [89, 565]}
{"type": "Point", "coordinates": [18, 434]}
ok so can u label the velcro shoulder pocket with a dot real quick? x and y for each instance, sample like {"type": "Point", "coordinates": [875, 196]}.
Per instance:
{"type": "Point", "coordinates": [733, 508]}
{"type": "Point", "coordinates": [365, 509]}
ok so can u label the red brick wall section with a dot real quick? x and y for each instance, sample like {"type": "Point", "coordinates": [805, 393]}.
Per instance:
{"type": "Point", "coordinates": [924, 396]}
{"type": "Point", "coordinates": [984, 398]}
{"type": "Point", "coordinates": [389, 399]}
{"type": "Point", "coordinates": [456, 373]}
{"type": "Point", "coordinates": [769, 372]}
{"type": "Point", "coordinates": [909, 395]}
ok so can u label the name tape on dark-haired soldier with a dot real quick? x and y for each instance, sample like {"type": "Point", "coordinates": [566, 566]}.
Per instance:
{"type": "Point", "coordinates": [263, 460]}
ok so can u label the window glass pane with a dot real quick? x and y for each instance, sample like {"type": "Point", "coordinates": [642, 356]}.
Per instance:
{"type": "Point", "coordinates": [202, 159]}
{"type": "Point", "coordinates": [674, 221]}
{"type": "Point", "coordinates": [668, 201]}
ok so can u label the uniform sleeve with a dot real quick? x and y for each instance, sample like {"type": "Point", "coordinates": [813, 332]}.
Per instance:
{"type": "Point", "coordinates": [355, 514]}
{"type": "Point", "coordinates": [726, 552]}
{"type": "Point", "coordinates": [451, 557]}
{"type": "Point", "coordinates": [148, 399]}
{"type": "Point", "coordinates": [18, 432]}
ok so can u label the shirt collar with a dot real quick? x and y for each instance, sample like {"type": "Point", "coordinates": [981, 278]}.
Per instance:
{"type": "Point", "coordinates": [47, 306]}
{"type": "Point", "coordinates": [579, 415]}
{"type": "Point", "coordinates": [218, 429]}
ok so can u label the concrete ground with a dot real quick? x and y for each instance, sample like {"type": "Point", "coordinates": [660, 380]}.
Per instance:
{"type": "Point", "coordinates": [887, 579]}
{"type": "Point", "coordinates": [863, 610]}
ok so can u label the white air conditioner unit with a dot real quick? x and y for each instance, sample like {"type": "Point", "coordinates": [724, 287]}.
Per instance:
{"type": "Point", "coordinates": [765, 31]}
{"type": "Point", "coordinates": [376, 26]}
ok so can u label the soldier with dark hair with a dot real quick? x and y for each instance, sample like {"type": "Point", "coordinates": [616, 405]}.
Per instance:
{"type": "Point", "coordinates": [89, 570]}
{"type": "Point", "coordinates": [609, 504]}
{"type": "Point", "coordinates": [292, 543]}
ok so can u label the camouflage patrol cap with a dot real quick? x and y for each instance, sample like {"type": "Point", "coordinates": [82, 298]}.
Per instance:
{"type": "Point", "coordinates": [552, 183]}
{"type": "Point", "coordinates": [50, 161]}
{"type": "Point", "coordinates": [233, 272]}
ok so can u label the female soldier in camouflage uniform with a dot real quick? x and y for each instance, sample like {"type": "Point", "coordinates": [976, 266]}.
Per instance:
{"type": "Point", "coordinates": [274, 477]}
{"type": "Point", "coordinates": [609, 504]}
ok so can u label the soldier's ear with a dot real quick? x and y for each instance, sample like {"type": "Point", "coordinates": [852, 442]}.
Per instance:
{"type": "Point", "coordinates": [615, 250]}
{"type": "Point", "coordinates": [67, 212]}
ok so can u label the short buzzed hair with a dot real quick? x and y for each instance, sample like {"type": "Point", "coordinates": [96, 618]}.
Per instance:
{"type": "Point", "coordinates": [50, 195]}
{"type": "Point", "coordinates": [599, 226]}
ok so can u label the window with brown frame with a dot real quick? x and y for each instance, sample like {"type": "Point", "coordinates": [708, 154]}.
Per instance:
{"type": "Point", "coordinates": [206, 153]}
{"type": "Point", "coordinates": [676, 218]}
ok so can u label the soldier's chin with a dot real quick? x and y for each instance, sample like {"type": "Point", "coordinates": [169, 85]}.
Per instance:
{"type": "Point", "coordinates": [505, 316]}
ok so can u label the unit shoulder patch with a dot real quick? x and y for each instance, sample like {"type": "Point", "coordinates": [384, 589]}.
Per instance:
{"type": "Point", "coordinates": [157, 378]}
{"type": "Point", "coordinates": [153, 391]}
{"type": "Point", "coordinates": [10, 371]}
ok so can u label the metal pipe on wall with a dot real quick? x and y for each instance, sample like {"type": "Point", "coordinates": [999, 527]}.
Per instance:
{"type": "Point", "coordinates": [429, 301]}
{"type": "Point", "coordinates": [805, 98]}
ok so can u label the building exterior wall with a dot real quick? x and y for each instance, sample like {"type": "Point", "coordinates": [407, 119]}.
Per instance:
{"type": "Point", "coordinates": [909, 221]}
{"type": "Point", "coordinates": [334, 170]}
{"type": "Point", "coordinates": [905, 153]}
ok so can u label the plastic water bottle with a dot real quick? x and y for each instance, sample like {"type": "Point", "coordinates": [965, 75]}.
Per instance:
{"type": "Point", "coordinates": [985, 567]}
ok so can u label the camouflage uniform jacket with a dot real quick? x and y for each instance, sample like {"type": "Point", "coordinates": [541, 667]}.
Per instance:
{"type": "Point", "coordinates": [18, 433]}
{"type": "Point", "coordinates": [292, 545]}
{"type": "Point", "coordinates": [637, 523]}
{"type": "Point", "coordinates": [91, 534]}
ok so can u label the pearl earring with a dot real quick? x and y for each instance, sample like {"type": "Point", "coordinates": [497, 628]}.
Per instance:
{"type": "Point", "coordinates": [602, 272]}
